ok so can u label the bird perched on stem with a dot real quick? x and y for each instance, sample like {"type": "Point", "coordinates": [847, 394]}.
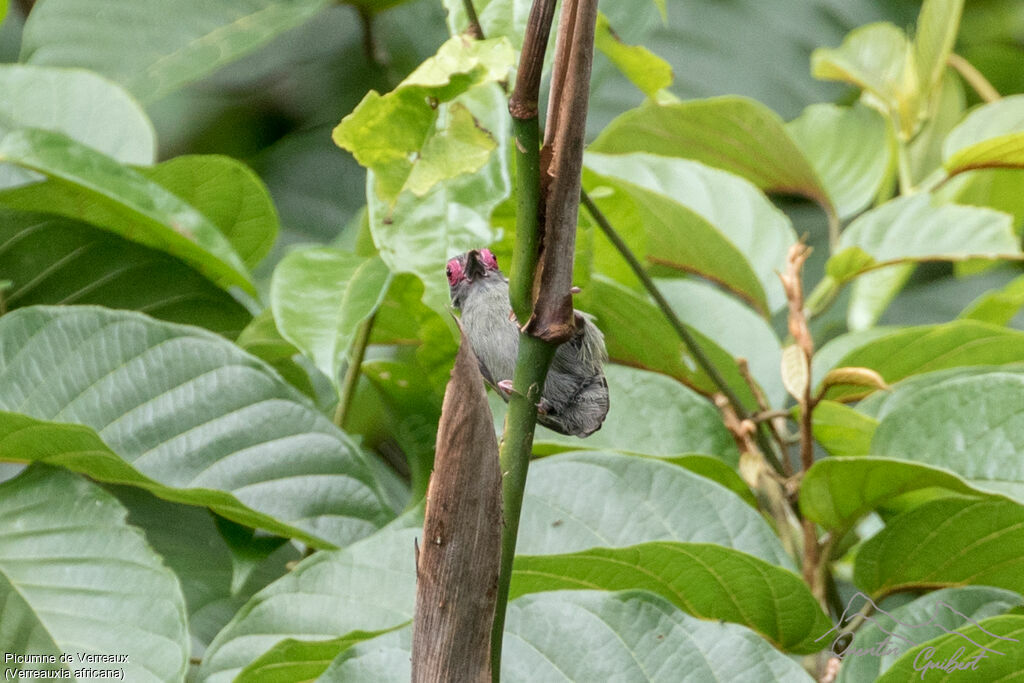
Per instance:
{"type": "Point", "coordinates": [575, 396]}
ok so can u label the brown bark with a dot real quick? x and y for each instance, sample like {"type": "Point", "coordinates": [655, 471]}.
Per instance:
{"type": "Point", "coordinates": [458, 559]}
{"type": "Point", "coordinates": [562, 163]}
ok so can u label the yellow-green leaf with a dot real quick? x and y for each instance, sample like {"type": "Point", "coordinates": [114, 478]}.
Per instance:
{"type": "Point", "coordinates": [646, 70]}
{"type": "Point", "coordinates": [395, 133]}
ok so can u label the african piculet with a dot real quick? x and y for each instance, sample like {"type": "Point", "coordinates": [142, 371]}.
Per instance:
{"type": "Point", "coordinates": [575, 396]}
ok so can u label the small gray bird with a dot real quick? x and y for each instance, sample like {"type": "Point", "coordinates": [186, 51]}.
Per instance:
{"type": "Point", "coordinates": [575, 396]}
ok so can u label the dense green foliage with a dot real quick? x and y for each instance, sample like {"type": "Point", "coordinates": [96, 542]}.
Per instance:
{"type": "Point", "coordinates": [225, 335]}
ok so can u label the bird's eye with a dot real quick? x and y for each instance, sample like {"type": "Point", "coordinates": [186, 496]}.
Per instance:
{"type": "Point", "coordinates": [454, 272]}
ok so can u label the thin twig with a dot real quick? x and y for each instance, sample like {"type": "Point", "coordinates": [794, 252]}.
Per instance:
{"type": "Point", "coordinates": [473, 29]}
{"type": "Point", "coordinates": [680, 329]}
{"type": "Point", "coordinates": [792, 283]}
{"type": "Point", "coordinates": [766, 414]}
{"type": "Point", "coordinates": [765, 483]}
{"type": "Point", "coordinates": [666, 309]}
{"type": "Point", "coordinates": [351, 380]}
{"type": "Point", "coordinates": [834, 226]}
{"type": "Point", "coordinates": [974, 78]}
{"type": "Point", "coordinates": [370, 47]}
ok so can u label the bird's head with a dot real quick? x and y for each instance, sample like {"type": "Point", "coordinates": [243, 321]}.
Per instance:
{"type": "Point", "coordinates": [463, 270]}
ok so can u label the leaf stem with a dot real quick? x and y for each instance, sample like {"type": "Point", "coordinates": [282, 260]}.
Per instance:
{"type": "Point", "coordinates": [371, 48]}
{"type": "Point", "coordinates": [684, 334]}
{"type": "Point", "coordinates": [906, 178]}
{"type": "Point", "coordinates": [526, 133]}
{"type": "Point", "coordinates": [833, 229]}
{"type": "Point", "coordinates": [351, 380]}
{"type": "Point", "coordinates": [974, 78]}
{"type": "Point", "coordinates": [474, 29]}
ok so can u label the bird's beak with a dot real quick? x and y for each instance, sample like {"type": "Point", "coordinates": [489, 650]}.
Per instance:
{"type": "Point", "coordinates": [474, 265]}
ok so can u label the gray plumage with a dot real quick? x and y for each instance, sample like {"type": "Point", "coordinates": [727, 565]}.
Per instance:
{"type": "Point", "coordinates": [575, 396]}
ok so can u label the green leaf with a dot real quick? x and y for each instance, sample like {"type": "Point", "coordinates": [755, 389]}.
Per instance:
{"type": "Point", "coordinates": [842, 430]}
{"type": "Point", "coordinates": [75, 578]}
{"type": "Point", "coordinates": [928, 617]}
{"type": "Point", "coordinates": [875, 58]}
{"type": "Point", "coordinates": [636, 635]}
{"type": "Point", "coordinates": [874, 290]}
{"type": "Point", "coordinates": [407, 140]}
{"type": "Point", "coordinates": [937, 26]}
{"type": "Point", "coordinates": [385, 659]}
{"type": "Point", "coordinates": [717, 471]}
{"type": "Point", "coordinates": [637, 334]}
{"type": "Point", "coordinates": [320, 296]}
{"type": "Point", "coordinates": [84, 106]}
{"type": "Point", "coordinates": [997, 306]}
{"type": "Point", "coordinates": [880, 404]}
{"type": "Point", "coordinates": [736, 328]}
{"type": "Point", "coordinates": [261, 339]}
{"type": "Point", "coordinates": [498, 18]}
{"type": "Point", "coordinates": [573, 502]}
{"type": "Point", "coordinates": [707, 581]}
{"type": "Point", "coordinates": [185, 414]}
{"type": "Point", "coordinates": [849, 149]}
{"type": "Point", "coordinates": [996, 634]}
{"type": "Point", "coordinates": [419, 235]}
{"type": "Point", "coordinates": [624, 623]}
{"type": "Point", "coordinates": [838, 491]}
{"type": "Point", "coordinates": [189, 541]}
{"type": "Point", "coordinates": [587, 499]}
{"type": "Point", "coordinates": [735, 134]}
{"type": "Point", "coordinates": [368, 586]}
{"type": "Point", "coordinates": [914, 228]}
{"type": "Point", "coordinates": [652, 415]}
{"type": "Point", "coordinates": [90, 186]}
{"type": "Point", "coordinates": [900, 353]}
{"type": "Point", "coordinates": [942, 113]}
{"type": "Point", "coordinates": [699, 219]}
{"type": "Point", "coordinates": [146, 46]}
{"type": "Point", "coordinates": [647, 71]}
{"type": "Point", "coordinates": [300, 660]}
{"type": "Point", "coordinates": [53, 260]}
{"type": "Point", "coordinates": [946, 542]}
{"type": "Point", "coordinates": [229, 194]}
{"type": "Point", "coordinates": [991, 187]}
{"type": "Point", "coordinates": [991, 136]}
{"type": "Point", "coordinates": [972, 425]}
{"type": "Point", "coordinates": [795, 370]}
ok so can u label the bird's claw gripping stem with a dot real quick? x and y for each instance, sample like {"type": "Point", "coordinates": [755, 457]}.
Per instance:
{"type": "Point", "coordinates": [543, 407]}
{"type": "Point", "coordinates": [506, 386]}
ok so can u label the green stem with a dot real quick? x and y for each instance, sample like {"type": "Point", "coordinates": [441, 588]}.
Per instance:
{"type": "Point", "coordinates": [974, 78]}
{"type": "Point", "coordinates": [526, 133]}
{"type": "Point", "coordinates": [351, 380]}
{"type": "Point", "coordinates": [684, 334]}
{"type": "Point", "coordinates": [531, 370]}
{"type": "Point", "coordinates": [903, 166]}
{"type": "Point", "coordinates": [535, 355]}
{"type": "Point", "coordinates": [833, 229]}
